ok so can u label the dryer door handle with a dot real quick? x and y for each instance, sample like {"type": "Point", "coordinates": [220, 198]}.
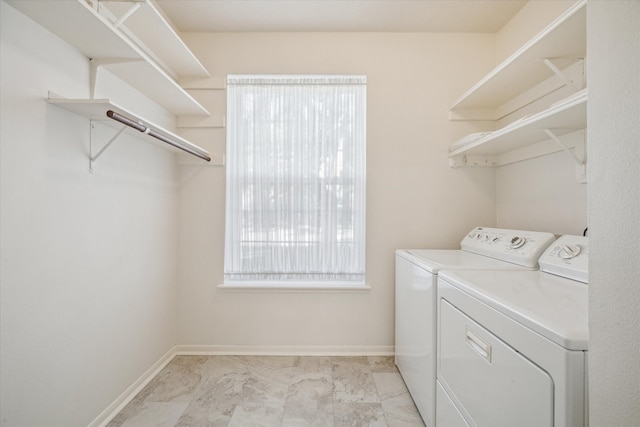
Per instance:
{"type": "Point", "coordinates": [478, 345]}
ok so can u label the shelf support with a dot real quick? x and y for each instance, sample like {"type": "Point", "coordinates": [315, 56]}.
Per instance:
{"type": "Point", "coordinates": [464, 160]}
{"type": "Point", "coordinates": [93, 158]}
{"type": "Point", "coordinates": [560, 74]}
{"type": "Point", "coordinates": [98, 7]}
{"type": "Point", "coordinates": [96, 63]}
{"type": "Point", "coordinates": [554, 138]}
{"type": "Point", "coordinates": [127, 14]}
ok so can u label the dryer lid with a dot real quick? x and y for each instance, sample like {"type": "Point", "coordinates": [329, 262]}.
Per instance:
{"type": "Point", "coordinates": [552, 306]}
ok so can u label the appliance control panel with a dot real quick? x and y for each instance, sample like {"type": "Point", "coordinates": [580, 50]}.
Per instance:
{"type": "Point", "coordinates": [568, 257]}
{"type": "Point", "coordinates": [515, 246]}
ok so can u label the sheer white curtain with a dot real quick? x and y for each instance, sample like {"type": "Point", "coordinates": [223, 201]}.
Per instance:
{"type": "Point", "coordinates": [295, 208]}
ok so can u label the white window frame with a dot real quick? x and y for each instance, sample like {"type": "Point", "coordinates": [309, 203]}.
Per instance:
{"type": "Point", "coordinates": [328, 116]}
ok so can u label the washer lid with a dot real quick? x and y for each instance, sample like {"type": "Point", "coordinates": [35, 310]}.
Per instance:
{"type": "Point", "coordinates": [434, 260]}
{"type": "Point", "coordinates": [552, 306]}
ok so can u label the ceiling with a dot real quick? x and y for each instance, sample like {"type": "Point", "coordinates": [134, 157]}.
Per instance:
{"type": "Point", "coordinates": [468, 16]}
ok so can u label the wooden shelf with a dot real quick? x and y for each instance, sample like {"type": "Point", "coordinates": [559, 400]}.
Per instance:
{"type": "Point", "coordinates": [76, 22]}
{"type": "Point", "coordinates": [563, 117]}
{"type": "Point", "coordinates": [565, 37]}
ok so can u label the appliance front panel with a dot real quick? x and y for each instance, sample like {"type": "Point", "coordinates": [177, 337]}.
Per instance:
{"type": "Point", "coordinates": [446, 412]}
{"type": "Point", "coordinates": [495, 385]}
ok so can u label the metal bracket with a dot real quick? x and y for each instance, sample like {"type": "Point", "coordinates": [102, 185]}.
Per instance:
{"type": "Point", "coordinates": [127, 14]}
{"type": "Point", "coordinates": [581, 164]}
{"type": "Point", "coordinates": [573, 155]}
{"type": "Point", "coordinates": [560, 74]}
{"type": "Point", "coordinates": [98, 7]}
{"type": "Point", "coordinates": [93, 158]}
{"type": "Point", "coordinates": [96, 63]}
{"type": "Point", "coordinates": [465, 160]}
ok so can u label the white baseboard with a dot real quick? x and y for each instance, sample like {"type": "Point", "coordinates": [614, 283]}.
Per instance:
{"type": "Point", "coordinates": [127, 396]}
{"type": "Point", "coordinates": [257, 350]}
{"type": "Point", "coordinates": [245, 350]}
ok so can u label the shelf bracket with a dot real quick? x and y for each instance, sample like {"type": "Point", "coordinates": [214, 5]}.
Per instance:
{"type": "Point", "coordinates": [560, 74]}
{"type": "Point", "coordinates": [464, 160]}
{"type": "Point", "coordinates": [93, 158]}
{"type": "Point", "coordinates": [127, 14]}
{"type": "Point", "coordinates": [96, 63]}
{"type": "Point", "coordinates": [574, 156]}
{"type": "Point", "coordinates": [97, 6]}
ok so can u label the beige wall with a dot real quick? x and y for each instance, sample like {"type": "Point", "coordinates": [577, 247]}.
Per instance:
{"type": "Point", "coordinates": [529, 21]}
{"type": "Point", "coordinates": [413, 198]}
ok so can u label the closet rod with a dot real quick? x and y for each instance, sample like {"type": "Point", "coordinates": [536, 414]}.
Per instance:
{"type": "Point", "coordinates": [147, 130]}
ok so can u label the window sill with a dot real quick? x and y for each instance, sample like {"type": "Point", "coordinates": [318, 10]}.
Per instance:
{"type": "Point", "coordinates": [293, 286]}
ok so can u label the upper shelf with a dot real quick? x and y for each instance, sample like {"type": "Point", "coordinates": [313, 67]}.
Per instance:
{"type": "Point", "coordinates": [563, 117]}
{"type": "Point", "coordinates": [563, 38]}
{"type": "Point", "coordinates": [97, 37]}
{"type": "Point", "coordinates": [149, 27]}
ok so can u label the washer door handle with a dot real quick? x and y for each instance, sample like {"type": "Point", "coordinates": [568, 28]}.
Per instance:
{"type": "Point", "coordinates": [478, 345]}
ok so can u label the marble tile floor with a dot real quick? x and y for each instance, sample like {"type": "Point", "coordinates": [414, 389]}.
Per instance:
{"type": "Point", "coordinates": [282, 391]}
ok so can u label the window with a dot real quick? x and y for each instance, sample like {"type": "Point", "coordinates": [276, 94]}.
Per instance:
{"type": "Point", "coordinates": [295, 209]}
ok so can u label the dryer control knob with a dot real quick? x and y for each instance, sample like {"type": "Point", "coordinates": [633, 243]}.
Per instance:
{"type": "Point", "coordinates": [569, 251]}
{"type": "Point", "coordinates": [518, 242]}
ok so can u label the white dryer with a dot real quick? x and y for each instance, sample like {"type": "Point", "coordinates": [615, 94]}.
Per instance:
{"type": "Point", "coordinates": [512, 346]}
{"type": "Point", "coordinates": [415, 305]}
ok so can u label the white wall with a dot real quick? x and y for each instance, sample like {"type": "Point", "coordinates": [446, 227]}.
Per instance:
{"type": "Point", "coordinates": [88, 261]}
{"type": "Point", "coordinates": [542, 193]}
{"type": "Point", "coordinates": [614, 212]}
{"type": "Point", "coordinates": [413, 198]}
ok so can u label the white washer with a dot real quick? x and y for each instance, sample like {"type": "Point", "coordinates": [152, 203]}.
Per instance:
{"type": "Point", "coordinates": [416, 280]}
{"type": "Point", "coordinates": [512, 345]}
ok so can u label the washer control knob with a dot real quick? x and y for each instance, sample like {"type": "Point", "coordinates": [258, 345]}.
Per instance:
{"type": "Point", "coordinates": [569, 251]}
{"type": "Point", "coordinates": [518, 242]}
